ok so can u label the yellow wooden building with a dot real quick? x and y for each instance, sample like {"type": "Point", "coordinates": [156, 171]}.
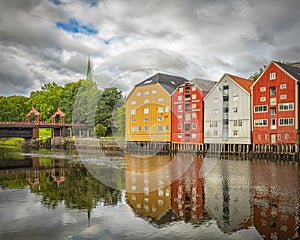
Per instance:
{"type": "Point", "coordinates": [148, 109]}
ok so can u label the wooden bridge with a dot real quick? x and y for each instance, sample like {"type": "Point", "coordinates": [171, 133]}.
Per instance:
{"type": "Point", "coordinates": [30, 129]}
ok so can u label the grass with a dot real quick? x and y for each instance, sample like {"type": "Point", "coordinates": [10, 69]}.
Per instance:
{"type": "Point", "coordinates": [11, 141]}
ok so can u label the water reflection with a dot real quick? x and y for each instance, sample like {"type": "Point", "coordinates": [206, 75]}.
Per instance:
{"type": "Point", "coordinates": [256, 197]}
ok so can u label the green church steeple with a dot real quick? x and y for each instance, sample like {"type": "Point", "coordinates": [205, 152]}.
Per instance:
{"type": "Point", "coordinates": [89, 70]}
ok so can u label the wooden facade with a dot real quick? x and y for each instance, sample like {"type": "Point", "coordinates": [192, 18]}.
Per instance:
{"type": "Point", "coordinates": [275, 105]}
{"type": "Point", "coordinates": [227, 117]}
{"type": "Point", "coordinates": [188, 111]}
{"type": "Point", "coordinates": [148, 109]}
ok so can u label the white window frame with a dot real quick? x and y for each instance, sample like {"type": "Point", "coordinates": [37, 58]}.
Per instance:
{"type": "Point", "coordinates": [160, 109]}
{"type": "Point", "coordinates": [194, 126]}
{"type": "Point", "coordinates": [133, 111]}
{"type": "Point", "coordinates": [262, 110]}
{"type": "Point", "coordinates": [263, 99]}
{"type": "Point", "coordinates": [146, 92]}
{"type": "Point", "coordinates": [236, 98]}
{"type": "Point", "coordinates": [179, 98]}
{"type": "Point", "coordinates": [286, 121]}
{"type": "Point", "coordinates": [262, 89]}
{"type": "Point", "coordinates": [272, 75]}
{"type": "Point", "coordinates": [146, 110]}
{"type": "Point", "coordinates": [261, 122]}
{"type": "Point", "coordinates": [282, 96]}
{"type": "Point", "coordinates": [283, 86]}
{"type": "Point", "coordinates": [154, 91]}
{"type": "Point", "coordinates": [138, 94]}
{"type": "Point", "coordinates": [286, 106]}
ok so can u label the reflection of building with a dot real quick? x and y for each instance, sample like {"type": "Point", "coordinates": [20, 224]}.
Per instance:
{"type": "Point", "coordinates": [148, 189]}
{"type": "Point", "coordinates": [227, 194]}
{"type": "Point", "coordinates": [275, 202]}
{"type": "Point", "coordinates": [188, 188]}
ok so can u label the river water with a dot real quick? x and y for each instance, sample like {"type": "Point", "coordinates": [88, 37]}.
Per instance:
{"type": "Point", "coordinates": [56, 194]}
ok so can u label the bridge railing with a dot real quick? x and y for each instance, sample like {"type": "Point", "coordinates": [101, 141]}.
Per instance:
{"type": "Point", "coordinates": [42, 124]}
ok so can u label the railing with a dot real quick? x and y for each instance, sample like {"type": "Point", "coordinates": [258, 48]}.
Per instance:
{"type": "Point", "coordinates": [41, 124]}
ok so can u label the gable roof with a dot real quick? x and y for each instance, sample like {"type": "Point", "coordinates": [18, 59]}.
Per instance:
{"type": "Point", "coordinates": [244, 83]}
{"type": "Point", "coordinates": [294, 71]}
{"type": "Point", "coordinates": [203, 84]}
{"type": "Point", "coordinates": [168, 82]}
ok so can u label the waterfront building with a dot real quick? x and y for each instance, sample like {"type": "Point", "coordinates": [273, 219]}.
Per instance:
{"type": "Point", "coordinates": [187, 111]}
{"type": "Point", "coordinates": [275, 105]}
{"type": "Point", "coordinates": [227, 117]}
{"type": "Point", "coordinates": [148, 109]}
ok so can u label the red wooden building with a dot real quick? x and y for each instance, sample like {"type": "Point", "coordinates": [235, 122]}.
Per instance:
{"type": "Point", "coordinates": [187, 111]}
{"type": "Point", "coordinates": [275, 105]}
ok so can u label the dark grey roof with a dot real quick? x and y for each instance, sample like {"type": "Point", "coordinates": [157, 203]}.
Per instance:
{"type": "Point", "coordinates": [203, 84]}
{"type": "Point", "coordinates": [168, 82]}
{"type": "Point", "coordinates": [294, 71]}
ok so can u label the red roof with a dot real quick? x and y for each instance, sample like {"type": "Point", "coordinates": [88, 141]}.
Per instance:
{"type": "Point", "coordinates": [33, 111]}
{"type": "Point", "coordinates": [244, 83]}
{"type": "Point", "coordinates": [59, 112]}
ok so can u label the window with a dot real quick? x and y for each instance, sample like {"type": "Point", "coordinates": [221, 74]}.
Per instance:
{"type": "Point", "coordinates": [139, 128]}
{"type": "Point", "coordinates": [279, 136]}
{"type": "Point", "coordinates": [283, 96]}
{"type": "Point", "coordinates": [187, 117]}
{"type": "Point", "coordinates": [187, 127]}
{"type": "Point", "coordinates": [179, 126]}
{"type": "Point", "coordinates": [160, 119]}
{"type": "Point", "coordinates": [286, 136]}
{"type": "Point", "coordinates": [187, 107]}
{"type": "Point", "coordinates": [138, 93]}
{"type": "Point", "coordinates": [133, 102]}
{"type": "Point", "coordinates": [283, 86]}
{"type": "Point", "coordinates": [160, 128]}
{"type": "Point", "coordinates": [235, 122]}
{"type": "Point", "coordinates": [273, 101]}
{"type": "Point", "coordinates": [235, 98]}
{"type": "Point", "coordinates": [262, 89]}
{"type": "Point", "coordinates": [179, 98]}
{"type": "Point", "coordinates": [216, 111]}
{"type": "Point", "coordinates": [146, 110]}
{"type": "Point", "coordinates": [266, 136]}
{"type": "Point", "coordinates": [286, 121]}
{"type": "Point", "coordinates": [181, 89]}
{"type": "Point", "coordinates": [146, 92]}
{"type": "Point", "coordinates": [213, 124]}
{"type": "Point", "coordinates": [133, 120]}
{"type": "Point", "coordinates": [260, 108]}
{"type": "Point", "coordinates": [273, 111]}
{"type": "Point", "coordinates": [216, 100]}
{"type": "Point", "coordinates": [215, 133]}
{"type": "Point", "coordinates": [272, 91]}
{"type": "Point", "coordinates": [194, 125]}
{"type": "Point", "coordinates": [235, 132]}
{"type": "Point", "coordinates": [160, 109]}
{"type": "Point", "coordinates": [167, 127]}
{"type": "Point", "coordinates": [193, 96]}
{"type": "Point", "coordinates": [146, 119]}
{"type": "Point", "coordinates": [160, 99]}
{"type": "Point", "coordinates": [235, 110]}
{"type": "Point", "coordinates": [179, 107]}
{"type": "Point", "coordinates": [240, 123]}
{"type": "Point", "coordinates": [179, 135]}
{"type": "Point", "coordinates": [154, 91]}
{"type": "Point", "coordinates": [146, 100]}
{"type": "Point", "coordinates": [193, 88]}
{"type": "Point", "coordinates": [146, 128]}
{"type": "Point", "coordinates": [259, 136]}
{"type": "Point", "coordinates": [272, 75]}
{"type": "Point", "coordinates": [133, 111]}
{"type": "Point", "coordinates": [167, 109]}
{"type": "Point", "coordinates": [179, 115]}
{"type": "Point", "coordinates": [262, 99]}
{"type": "Point", "coordinates": [194, 105]}
{"type": "Point", "coordinates": [133, 128]}
{"type": "Point", "coordinates": [286, 106]}
{"type": "Point", "coordinates": [260, 122]}
{"type": "Point", "coordinates": [194, 135]}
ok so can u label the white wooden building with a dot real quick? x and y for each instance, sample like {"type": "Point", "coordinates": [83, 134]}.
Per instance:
{"type": "Point", "coordinates": [227, 112]}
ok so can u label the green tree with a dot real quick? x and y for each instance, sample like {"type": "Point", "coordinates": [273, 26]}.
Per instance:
{"type": "Point", "coordinates": [100, 130]}
{"type": "Point", "coordinates": [13, 108]}
{"type": "Point", "coordinates": [46, 100]}
{"type": "Point", "coordinates": [110, 100]}
{"type": "Point", "coordinates": [68, 97]}
{"type": "Point", "coordinates": [120, 117]}
{"type": "Point", "coordinates": [85, 103]}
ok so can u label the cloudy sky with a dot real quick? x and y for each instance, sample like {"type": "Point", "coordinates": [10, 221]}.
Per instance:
{"type": "Point", "coordinates": [43, 41]}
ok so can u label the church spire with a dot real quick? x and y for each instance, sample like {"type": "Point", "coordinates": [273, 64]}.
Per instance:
{"type": "Point", "coordinates": [89, 70]}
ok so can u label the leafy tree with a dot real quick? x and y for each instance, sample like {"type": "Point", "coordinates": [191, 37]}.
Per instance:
{"type": "Point", "coordinates": [46, 100]}
{"type": "Point", "coordinates": [13, 108]}
{"type": "Point", "coordinates": [86, 102]}
{"type": "Point", "coordinates": [110, 100]}
{"type": "Point", "coordinates": [100, 130]}
{"type": "Point", "coordinates": [120, 117]}
{"type": "Point", "coordinates": [68, 96]}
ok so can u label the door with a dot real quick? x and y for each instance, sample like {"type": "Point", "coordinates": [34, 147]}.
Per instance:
{"type": "Point", "coordinates": [273, 123]}
{"type": "Point", "coordinates": [273, 138]}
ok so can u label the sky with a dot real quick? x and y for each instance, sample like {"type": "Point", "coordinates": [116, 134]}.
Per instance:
{"type": "Point", "coordinates": [44, 41]}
